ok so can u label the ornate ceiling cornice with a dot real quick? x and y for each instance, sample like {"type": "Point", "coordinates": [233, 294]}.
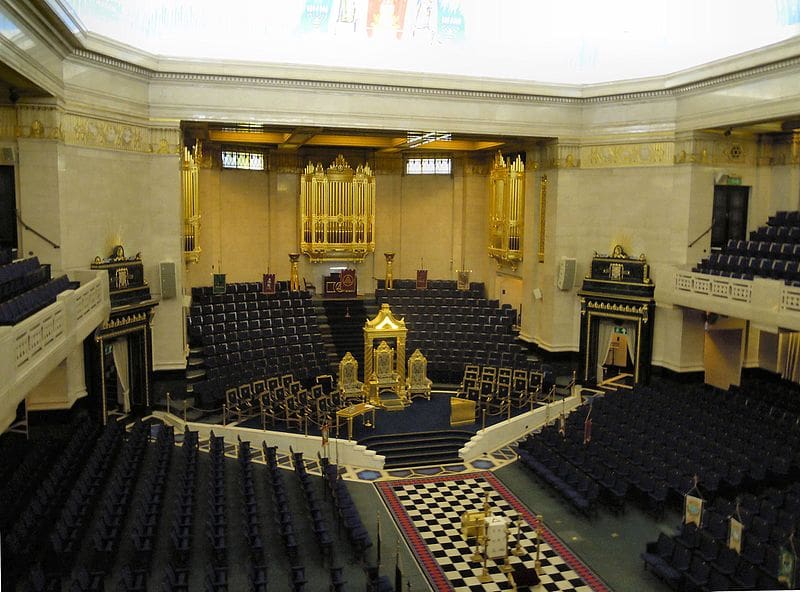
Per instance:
{"type": "Point", "coordinates": [363, 87]}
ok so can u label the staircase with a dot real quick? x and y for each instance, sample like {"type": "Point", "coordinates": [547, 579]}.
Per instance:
{"type": "Point", "coordinates": [419, 449]}
{"type": "Point", "coordinates": [327, 338]}
{"type": "Point", "coordinates": [346, 320]}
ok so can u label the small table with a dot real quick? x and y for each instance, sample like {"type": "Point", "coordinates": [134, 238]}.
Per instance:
{"type": "Point", "coordinates": [352, 411]}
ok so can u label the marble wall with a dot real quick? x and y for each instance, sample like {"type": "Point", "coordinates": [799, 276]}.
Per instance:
{"type": "Point", "coordinates": [626, 163]}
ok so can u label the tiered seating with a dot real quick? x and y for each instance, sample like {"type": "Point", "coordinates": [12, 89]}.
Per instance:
{"type": "Point", "coordinates": [26, 529]}
{"type": "Point", "coordinates": [251, 523]}
{"type": "Point", "coordinates": [216, 520]}
{"type": "Point", "coordinates": [454, 327]}
{"type": "Point", "coordinates": [773, 251]}
{"type": "Point", "coordinates": [148, 516]}
{"type": "Point", "coordinates": [556, 470]}
{"type": "Point", "coordinates": [73, 521]}
{"type": "Point", "coordinates": [346, 510]}
{"type": "Point", "coordinates": [26, 287]}
{"type": "Point", "coordinates": [648, 444]}
{"type": "Point", "coordinates": [115, 504]}
{"type": "Point", "coordinates": [247, 335]}
{"type": "Point", "coordinates": [701, 557]}
{"type": "Point", "coordinates": [183, 513]}
{"type": "Point", "coordinates": [318, 522]}
{"type": "Point", "coordinates": [284, 518]}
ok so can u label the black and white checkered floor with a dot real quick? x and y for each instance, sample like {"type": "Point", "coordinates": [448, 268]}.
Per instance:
{"type": "Point", "coordinates": [429, 512]}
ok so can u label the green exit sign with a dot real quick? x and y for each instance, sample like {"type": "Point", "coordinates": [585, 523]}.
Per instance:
{"type": "Point", "coordinates": [734, 180]}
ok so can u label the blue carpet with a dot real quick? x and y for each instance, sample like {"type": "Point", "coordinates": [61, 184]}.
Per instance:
{"type": "Point", "coordinates": [421, 416]}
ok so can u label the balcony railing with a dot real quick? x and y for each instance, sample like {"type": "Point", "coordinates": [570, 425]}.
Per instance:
{"type": "Point", "coordinates": [769, 302]}
{"type": "Point", "coordinates": [33, 348]}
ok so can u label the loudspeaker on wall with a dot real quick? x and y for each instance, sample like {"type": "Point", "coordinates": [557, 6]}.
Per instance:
{"type": "Point", "coordinates": [566, 273]}
{"type": "Point", "coordinates": [167, 273]}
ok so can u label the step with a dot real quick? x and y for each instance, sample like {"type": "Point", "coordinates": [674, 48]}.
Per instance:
{"type": "Point", "coordinates": [410, 451]}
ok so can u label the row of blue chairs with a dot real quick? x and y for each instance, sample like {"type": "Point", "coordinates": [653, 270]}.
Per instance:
{"type": "Point", "coordinates": [17, 309]}
{"type": "Point", "coordinates": [184, 504]}
{"type": "Point", "coordinates": [318, 522]}
{"type": "Point", "coordinates": [21, 275]}
{"type": "Point", "coordinates": [570, 482]}
{"type": "Point", "coordinates": [148, 517]}
{"type": "Point", "coordinates": [26, 533]}
{"type": "Point", "coordinates": [66, 538]}
{"type": "Point", "coordinates": [216, 519]}
{"type": "Point", "coordinates": [257, 571]}
{"type": "Point", "coordinates": [116, 502]}
{"type": "Point", "coordinates": [346, 510]}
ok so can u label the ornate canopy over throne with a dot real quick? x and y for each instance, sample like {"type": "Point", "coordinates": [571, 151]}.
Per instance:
{"type": "Point", "coordinates": [384, 366]}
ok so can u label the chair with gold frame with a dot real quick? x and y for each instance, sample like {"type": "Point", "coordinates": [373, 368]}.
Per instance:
{"type": "Point", "coordinates": [350, 388]}
{"type": "Point", "coordinates": [384, 377]}
{"type": "Point", "coordinates": [417, 382]}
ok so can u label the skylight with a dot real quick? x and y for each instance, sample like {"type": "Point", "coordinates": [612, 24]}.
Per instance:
{"type": "Point", "coordinates": [580, 42]}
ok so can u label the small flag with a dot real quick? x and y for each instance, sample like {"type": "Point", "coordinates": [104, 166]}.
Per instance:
{"type": "Point", "coordinates": [786, 567]}
{"type": "Point", "coordinates": [268, 285]}
{"type": "Point", "coordinates": [422, 279]}
{"type": "Point", "coordinates": [219, 283]}
{"type": "Point", "coordinates": [735, 535]}
{"type": "Point", "coordinates": [325, 429]}
{"type": "Point", "coordinates": [587, 426]}
{"type": "Point", "coordinates": [693, 509]}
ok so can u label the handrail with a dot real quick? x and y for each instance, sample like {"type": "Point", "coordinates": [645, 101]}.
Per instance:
{"type": "Point", "coordinates": [39, 234]}
{"type": "Point", "coordinates": [705, 232]}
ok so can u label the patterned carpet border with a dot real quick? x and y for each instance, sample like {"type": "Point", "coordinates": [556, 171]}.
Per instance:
{"type": "Point", "coordinates": [431, 567]}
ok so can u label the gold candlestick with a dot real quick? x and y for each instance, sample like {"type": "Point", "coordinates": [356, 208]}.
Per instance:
{"type": "Point", "coordinates": [518, 551]}
{"type": "Point", "coordinates": [294, 275]}
{"type": "Point", "coordinates": [389, 277]}
{"type": "Point", "coordinates": [537, 565]}
{"type": "Point", "coordinates": [484, 578]}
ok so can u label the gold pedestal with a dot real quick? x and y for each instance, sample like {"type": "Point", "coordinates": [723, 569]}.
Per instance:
{"type": "Point", "coordinates": [294, 275]}
{"type": "Point", "coordinates": [389, 278]}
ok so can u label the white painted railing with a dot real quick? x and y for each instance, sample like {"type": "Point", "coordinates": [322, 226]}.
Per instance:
{"type": "Point", "coordinates": [33, 348]}
{"type": "Point", "coordinates": [768, 302]}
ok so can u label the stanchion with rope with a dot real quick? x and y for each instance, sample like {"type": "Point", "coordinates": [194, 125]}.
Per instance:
{"type": "Point", "coordinates": [169, 400]}
{"type": "Point", "coordinates": [185, 405]}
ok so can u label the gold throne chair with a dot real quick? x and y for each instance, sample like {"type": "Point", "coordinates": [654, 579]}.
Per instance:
{"type": "Point", "coordinates": [418, 384]}
{"type": "Point", "coordinates": [385, 386]}
{"type": "Point", "coordinates": [350, 388]}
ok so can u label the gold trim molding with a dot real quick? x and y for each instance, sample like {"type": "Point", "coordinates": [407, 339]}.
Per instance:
{"type": "Point", "coordinates": [625, 155]}
{"type": "Point", "coordinates": [47, 122]}
{"type": "Point", "coordinates": [610, 307]}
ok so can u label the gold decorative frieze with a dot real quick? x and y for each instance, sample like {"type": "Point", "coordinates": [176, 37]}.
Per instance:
{"type": "Point", "coordinates": [127, 321]}
{"type": "Point", "coordinates": [717, 149]}
{"type": "Point", "coordinates": [39, 122]}
{"type": "Point", "coordinates": [8, 123]}
{"type": "Point", "coordinates": [616, 308]}
{"type": "Point", "coordinates": [624, 155]}
{"type": "Point", "coordinates": [98, 133]}
{"type": "Point", "coordinates": [557, 155]}
{"type": "Point", "coordinates": [47, 122]}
